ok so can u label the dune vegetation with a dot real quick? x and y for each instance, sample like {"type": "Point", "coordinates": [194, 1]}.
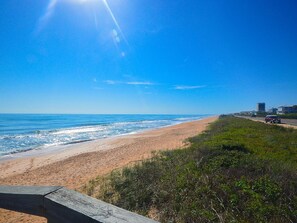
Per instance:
{"type": "Point", "coordinates": [236, 171]}
{"type": "Point", "coordinates": [289, 116]}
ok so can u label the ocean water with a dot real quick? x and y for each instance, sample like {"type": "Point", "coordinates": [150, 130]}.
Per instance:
{"type": "Point", "coordinates": [22, 132]}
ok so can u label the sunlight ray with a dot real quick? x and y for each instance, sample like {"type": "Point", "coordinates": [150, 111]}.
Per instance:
{"type": "Point", "coordinates": [115, 21]}
{"type": "Point", "coordinates": [47, 15]}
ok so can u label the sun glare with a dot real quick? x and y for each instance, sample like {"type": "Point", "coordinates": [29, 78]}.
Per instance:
{"type": "Point", "coordinates": [78, 1]}
{"type": "Point", "coordinates": [51, 7]}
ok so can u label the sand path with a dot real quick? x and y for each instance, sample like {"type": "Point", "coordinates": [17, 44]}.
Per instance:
{"type": "Point", "coordinates": [75, 165]}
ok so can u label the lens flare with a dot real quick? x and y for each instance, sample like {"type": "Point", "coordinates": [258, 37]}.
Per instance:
{"type": "Point", "coordinates": [115, 21]}
{"type": "Point", "coordinates": [44, 19]}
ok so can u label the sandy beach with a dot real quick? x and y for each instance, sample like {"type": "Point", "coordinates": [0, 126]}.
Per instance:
{"type": "Point", "coordinates": [73, 165]}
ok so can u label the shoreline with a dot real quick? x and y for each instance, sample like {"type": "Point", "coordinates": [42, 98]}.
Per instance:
{"type": "Point", "coordinates": [42, 150]}
{"type": "Point", "coordinates": [30, 160]}
{"type": "Point", "coordinates": [75, 165]}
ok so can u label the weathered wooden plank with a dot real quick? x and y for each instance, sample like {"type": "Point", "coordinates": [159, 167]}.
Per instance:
{"type": "Point", "coordinates": [26, 199]}
{"type": "Point", "coordinates": [70, 206]}
{"type": "Point", "coordinates": [60, 205]}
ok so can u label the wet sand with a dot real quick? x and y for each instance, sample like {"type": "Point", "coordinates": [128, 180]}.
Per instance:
{"type": "Point", "coordinates": [74, 165]}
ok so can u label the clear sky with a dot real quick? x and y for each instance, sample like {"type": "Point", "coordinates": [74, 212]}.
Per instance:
{"type": "Point", "coordinates": [146, 56]}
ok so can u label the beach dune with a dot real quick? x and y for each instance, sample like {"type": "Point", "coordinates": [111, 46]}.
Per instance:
{"type": "Point", "coordinates": [73, 165]}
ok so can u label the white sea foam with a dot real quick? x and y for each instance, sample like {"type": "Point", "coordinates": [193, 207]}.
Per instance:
{"type": "Point", "coordinates": [188, 119]}
{"type": "Point", "coordinates": [53, 130]}
{"type": "Point", "coordinates": [79, 130]}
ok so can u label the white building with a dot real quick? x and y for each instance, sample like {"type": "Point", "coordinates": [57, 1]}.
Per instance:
{"type": "Point", "coordinates": [287, 109]}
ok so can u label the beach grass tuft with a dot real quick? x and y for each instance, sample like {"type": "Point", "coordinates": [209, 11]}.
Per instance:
{"type": "Point", "coordinates": [236, 171]}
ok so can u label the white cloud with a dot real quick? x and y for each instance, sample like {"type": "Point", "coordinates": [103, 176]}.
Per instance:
{"type": "Point", "coordinates": [111, 82]}
{"type": "Point", "coordinates": [139, 83]}
{"type": "Point", "coordinates": [144, 83]}
{"type": "Point", "coordinates": [188, 87]}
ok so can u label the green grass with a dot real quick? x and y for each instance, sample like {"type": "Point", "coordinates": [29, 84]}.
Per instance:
{"type": "Point", "coordinates": [236, 171]}
{"type": "Point", "coordinates": [289, 116]}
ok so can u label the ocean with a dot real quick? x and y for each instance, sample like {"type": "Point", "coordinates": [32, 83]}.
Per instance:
{"type": "Point", "coordinates": [23, 132]}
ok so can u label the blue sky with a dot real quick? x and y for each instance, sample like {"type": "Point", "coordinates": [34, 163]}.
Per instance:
{"type": "Point", "coordinates": [146, 56]}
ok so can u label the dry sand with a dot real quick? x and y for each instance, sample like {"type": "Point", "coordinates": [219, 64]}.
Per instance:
{"type": "Point", "coordinates": [73, 166]}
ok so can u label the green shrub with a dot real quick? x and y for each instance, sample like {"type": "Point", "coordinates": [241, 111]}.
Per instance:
{"type": "Point", "coordinates": [289, 116]}
{"type": "Point", "coordinates": [236, 171]}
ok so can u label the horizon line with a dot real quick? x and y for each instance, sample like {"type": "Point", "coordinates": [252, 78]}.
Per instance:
{"type": "Point", "coordinates": [36, 113]}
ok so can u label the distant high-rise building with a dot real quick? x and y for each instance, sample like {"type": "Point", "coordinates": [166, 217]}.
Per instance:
{"type": "Point", "coordinates": [272, 110]}
{"type": "Point", "coordinates": [261, 107]}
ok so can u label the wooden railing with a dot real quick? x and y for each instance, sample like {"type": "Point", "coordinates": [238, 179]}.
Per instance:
{"type": "Point", "coordinates": [60, 205]}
